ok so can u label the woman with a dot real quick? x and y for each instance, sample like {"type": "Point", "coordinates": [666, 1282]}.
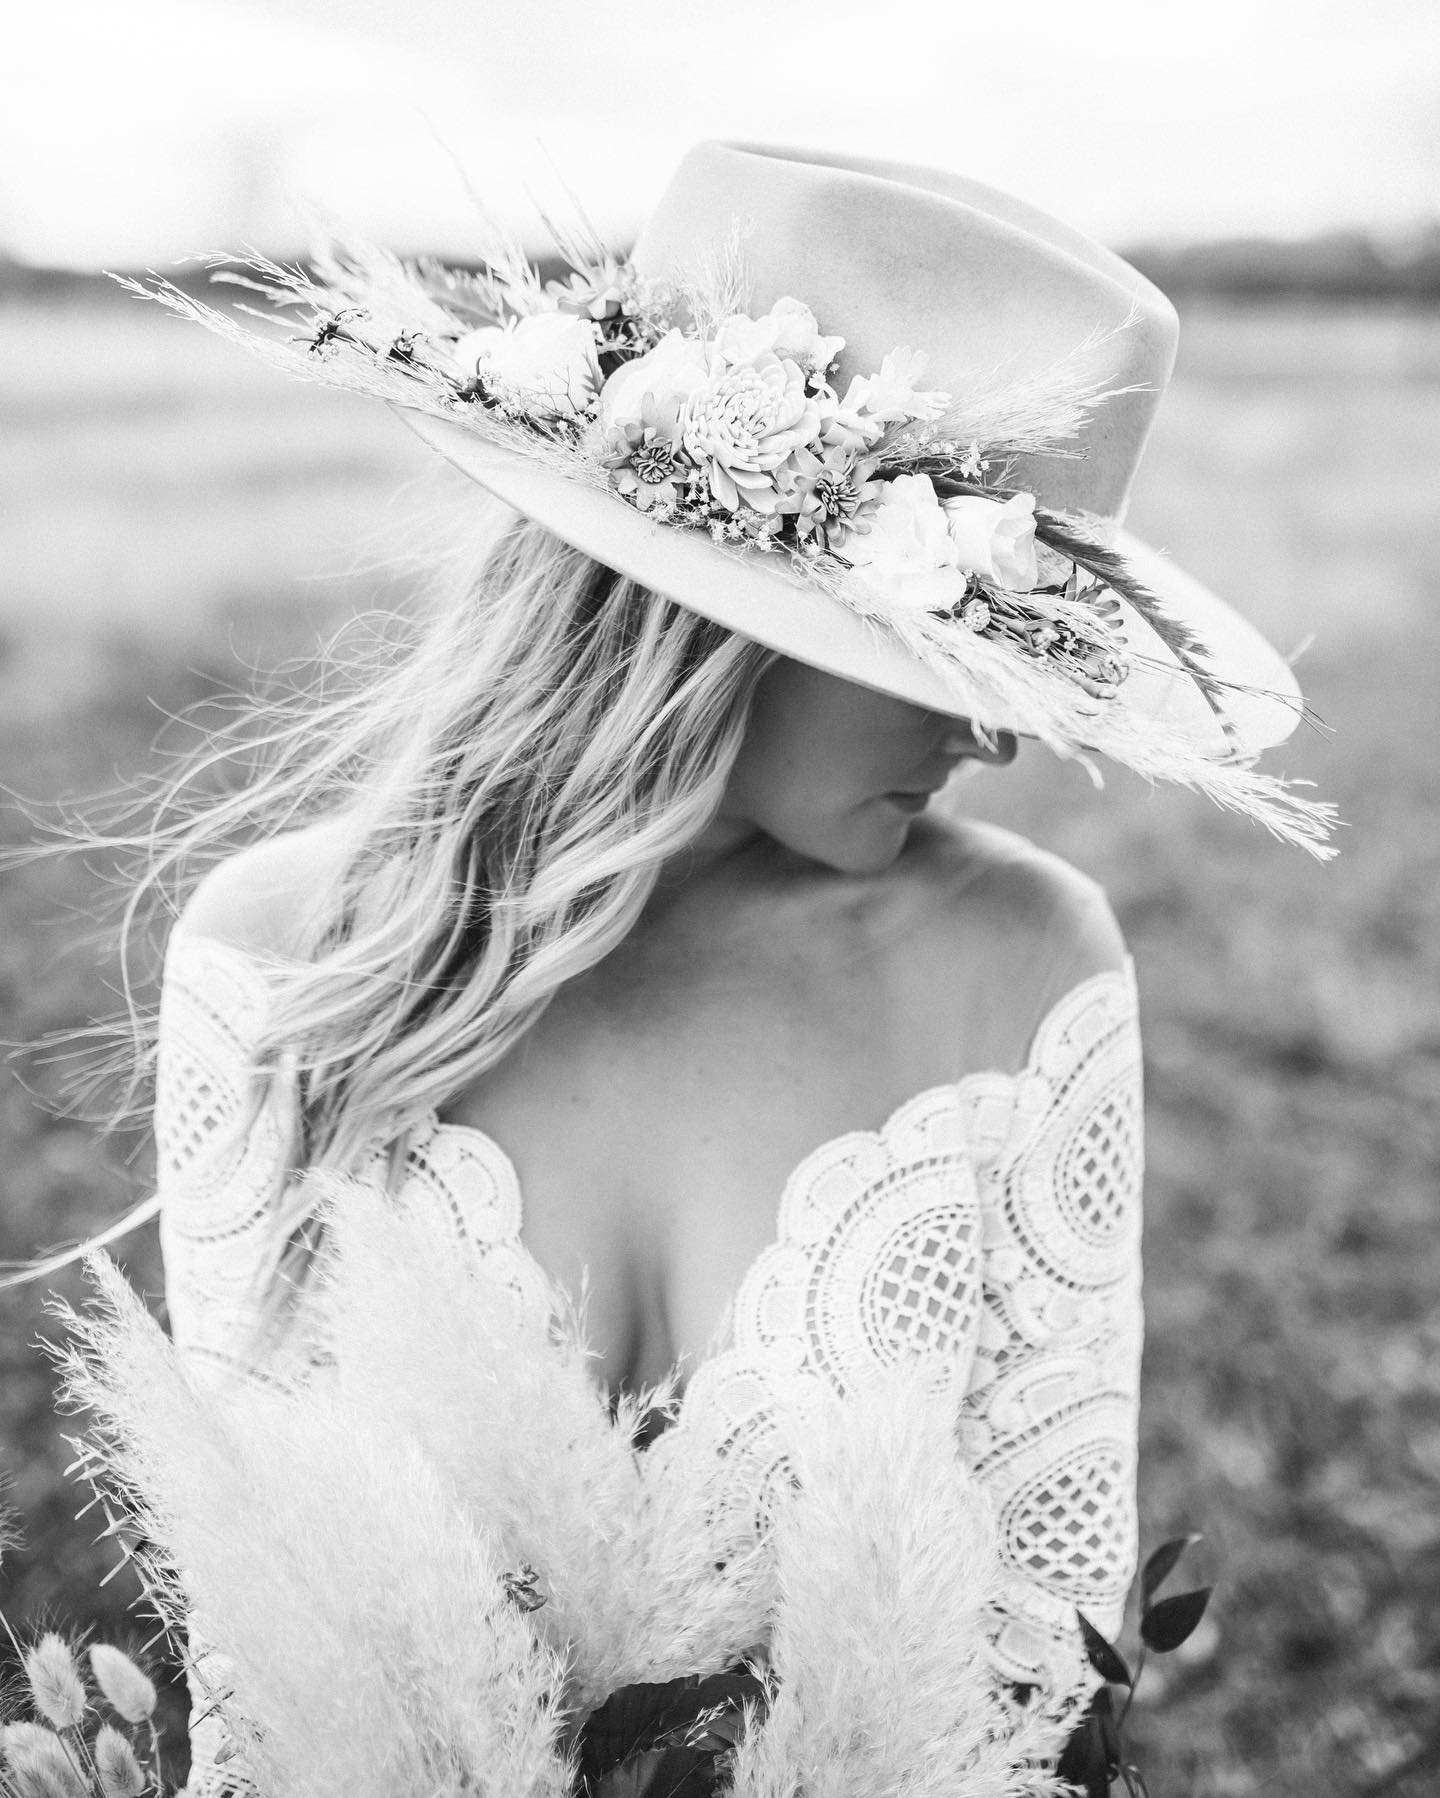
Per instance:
{"type": "Point", "coordinates": [612, 918]}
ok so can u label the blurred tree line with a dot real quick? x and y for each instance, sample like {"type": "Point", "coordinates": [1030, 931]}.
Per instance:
{"type": "Point", "coordinates": [1336, 265]}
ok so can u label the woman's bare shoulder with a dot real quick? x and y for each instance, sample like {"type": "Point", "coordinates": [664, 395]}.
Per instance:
{"type": "Point", "coordinates": [257, 900]}
{"type": "Point", "coordinates": [980, 878]}
{"type": "Point", "coordinates": [1004, 928]}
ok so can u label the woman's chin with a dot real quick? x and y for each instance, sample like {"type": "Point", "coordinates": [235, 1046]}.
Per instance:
{"type": "Point", "coordinates": [874, 844]}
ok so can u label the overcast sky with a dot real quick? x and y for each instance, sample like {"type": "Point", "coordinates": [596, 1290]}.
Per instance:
{"type": "Point", "coordinates": [135, 131]}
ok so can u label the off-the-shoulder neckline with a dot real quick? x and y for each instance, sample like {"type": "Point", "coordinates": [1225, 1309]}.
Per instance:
{"type": "Point", "coordinates": [1073, 998]}
{"type": "Point", "coordinates": [503, 1173]}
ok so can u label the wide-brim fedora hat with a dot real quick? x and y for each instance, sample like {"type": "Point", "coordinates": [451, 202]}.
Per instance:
{"type": "Point", "coordinates": [980, 283]}
{"type": "Point", "coordinates": [1045, 357]}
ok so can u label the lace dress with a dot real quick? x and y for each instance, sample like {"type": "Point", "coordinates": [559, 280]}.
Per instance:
{"type": "Point", "coordinates": [995, 1220]}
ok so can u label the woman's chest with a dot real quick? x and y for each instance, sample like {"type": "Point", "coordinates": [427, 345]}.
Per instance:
{"type": "Point", "coordinates": [653, 1134]}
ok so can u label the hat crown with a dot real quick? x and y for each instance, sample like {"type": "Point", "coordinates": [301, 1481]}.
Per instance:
{"type": "Point", "coordinates": [892, 256]}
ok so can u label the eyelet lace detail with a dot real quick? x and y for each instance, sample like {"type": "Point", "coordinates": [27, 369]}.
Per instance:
{"type": "Point", "coordinates": [991, 1230]}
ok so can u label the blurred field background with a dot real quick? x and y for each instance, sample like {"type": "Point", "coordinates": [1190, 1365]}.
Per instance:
{"type": "Point", "coordinates": [173, 517]}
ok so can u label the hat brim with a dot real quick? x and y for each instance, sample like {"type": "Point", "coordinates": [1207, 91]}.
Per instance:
{"type": "Point", "coordinates": [761, 598]}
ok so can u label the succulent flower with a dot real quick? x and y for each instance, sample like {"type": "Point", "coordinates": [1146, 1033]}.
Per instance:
{"type": "Point", "coordinates": [827, 491]}
{"type": "Point", "coordinates": [744, 422]}
{"type": "Point", "coordinates": [645, 457]}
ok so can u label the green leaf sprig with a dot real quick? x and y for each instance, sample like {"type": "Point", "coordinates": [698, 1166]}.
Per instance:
{"type": "Point", "coordinates": [1095, 1758]}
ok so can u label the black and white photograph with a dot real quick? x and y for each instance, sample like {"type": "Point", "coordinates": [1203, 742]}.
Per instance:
{"type": "Point", "coordinates": [720, 877]}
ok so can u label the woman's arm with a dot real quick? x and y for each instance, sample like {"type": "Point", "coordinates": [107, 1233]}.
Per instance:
{"type": "Point", "coordinates": [1050, 1418]}
{"type": "Point", "coordinates": [225, 1136]}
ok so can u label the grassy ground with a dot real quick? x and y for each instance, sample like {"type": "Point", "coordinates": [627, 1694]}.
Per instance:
{"type": "Point", "coordinates": [167, 515]}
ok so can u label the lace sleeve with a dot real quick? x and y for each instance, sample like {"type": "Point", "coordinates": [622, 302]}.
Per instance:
{"type": "Point", "coordinates": [223, 1142]}
{"type": "Point", "coordinates": [223, 1139]}
{"type": "Point", "coordinates": [1049, 1423]}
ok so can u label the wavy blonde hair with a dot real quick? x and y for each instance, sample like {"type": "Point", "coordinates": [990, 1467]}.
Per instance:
{"type": "Point", "coordinates": [505, 789]}
{"type": "Point", "coordinates": [509, 793]}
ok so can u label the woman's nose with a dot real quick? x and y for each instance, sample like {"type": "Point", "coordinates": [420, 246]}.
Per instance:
{"type": "Point", "coordinates": [999, 746]}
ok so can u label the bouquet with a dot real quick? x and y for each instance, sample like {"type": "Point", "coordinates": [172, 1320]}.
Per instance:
{"type": "Point", "coordinates": [443, 1563]}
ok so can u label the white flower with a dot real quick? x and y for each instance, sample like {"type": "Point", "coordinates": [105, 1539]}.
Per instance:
{"type": "Point", "coordinates": [547, 363]}
{"type": "Point", "coordinates": [670, 372]}
{"type": "Point", "coordinates": [890, 395]}
{"type": "Point", "coordinates": [744, 422]}
{"type": "Point", "coordinates": [842, 423]}
{"type": "Point", "coordinates": [788, 329]}
{"type": "Point", "coordinates": [906, 555]}
{"type": "Point", "coordinates": [995, 540]}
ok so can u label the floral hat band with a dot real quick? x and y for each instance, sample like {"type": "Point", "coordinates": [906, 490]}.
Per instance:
{"type": "Point", "coordinates": [884, 420]}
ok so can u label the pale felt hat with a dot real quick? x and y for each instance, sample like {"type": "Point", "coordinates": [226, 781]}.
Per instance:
{"type": "Point", "coordinates": [984, 285]}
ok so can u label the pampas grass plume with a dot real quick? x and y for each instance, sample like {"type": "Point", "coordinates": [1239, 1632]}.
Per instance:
{"type": "Point", "coordinates": [346, 1546]}
{"type": "Point", "coordinates": [639, 1587]}
{"type": "Point", "coordinates": [55, 1682]}
{"type": "Point", "coordinates": [368, 1644]}
{"type": "Point", "coordinates": [886, 1564]}
{"type": "Point", "coordinates": [123, 1685]}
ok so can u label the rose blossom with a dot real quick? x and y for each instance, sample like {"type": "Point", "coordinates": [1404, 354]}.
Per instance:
{"type": "Point", "coordinates": [788, 329]}
{"type": "Point", "coordinates": [995, 540]}
{"type": "Point", "coordinates": [546, 363]}
{"type": "Point", "coordinates": [670, 372]}
{"type": "Point", "coordinates": [744, 422]}
{"type": "Point", "coordinates": [905, 555]}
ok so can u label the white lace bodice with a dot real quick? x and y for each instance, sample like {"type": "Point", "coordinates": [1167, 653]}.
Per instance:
{"type": "Point", "coordinates": [994, 1221]}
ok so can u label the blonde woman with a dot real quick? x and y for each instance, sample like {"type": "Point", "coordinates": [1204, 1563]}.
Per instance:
{"type": "Point", "coordinates": [614, 915]}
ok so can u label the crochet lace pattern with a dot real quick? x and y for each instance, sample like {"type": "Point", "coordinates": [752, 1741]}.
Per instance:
{"type": "Point", "coordinates": [993, 1223]}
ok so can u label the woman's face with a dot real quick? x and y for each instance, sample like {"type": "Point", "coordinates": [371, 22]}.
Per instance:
{"type": "Point", "coordinates": [838, 773]}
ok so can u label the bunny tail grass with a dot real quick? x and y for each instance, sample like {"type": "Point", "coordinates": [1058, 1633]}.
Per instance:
{"type": "Point", "coordinates": [368, 1642]}
{"type": "Point", "coordinates": [886, 1563]}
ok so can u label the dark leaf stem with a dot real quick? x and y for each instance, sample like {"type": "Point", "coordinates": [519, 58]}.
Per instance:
{"type": "Point", "coordinates": [1130, 1695]}
{"type": "Point", "coordinates": [1103, 1656]}
{"type": "Point", "coordinates": [1171, 1621]}
{"type": "Point", "coordinates": [1161, 1564]}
